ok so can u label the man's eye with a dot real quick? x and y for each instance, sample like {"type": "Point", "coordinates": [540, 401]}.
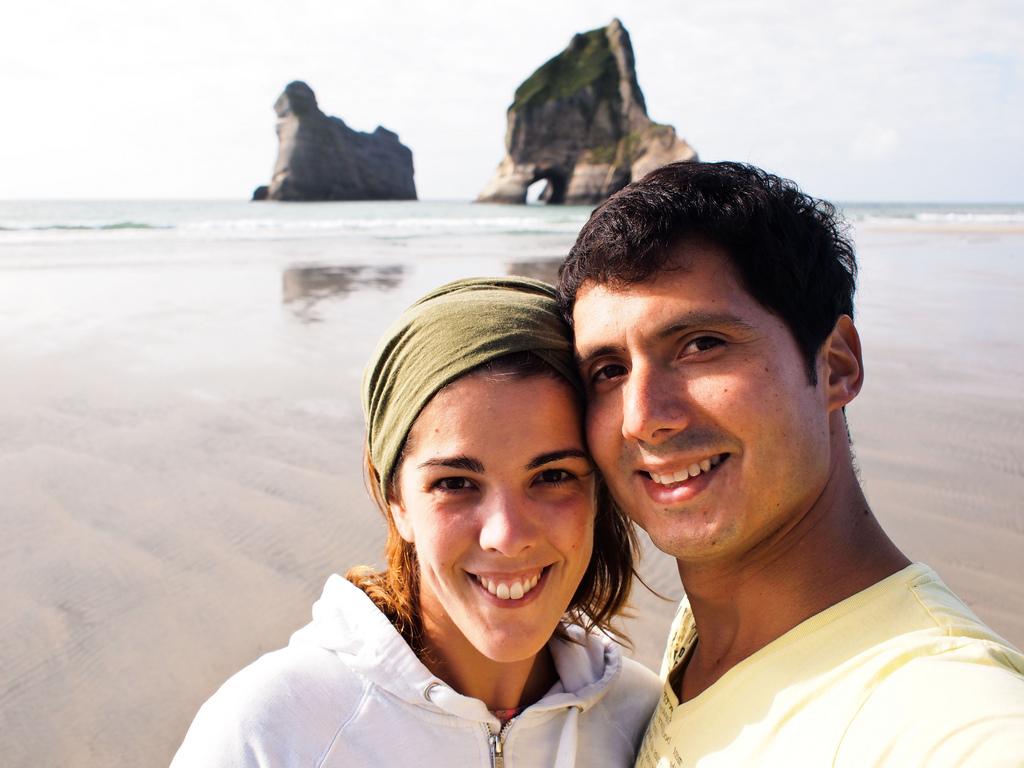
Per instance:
{"type": "Point", "coordinates": [606, 372]}
{"type": "Point", "coordinates": [453, 484]}
{"type": "Point", "coordinates": [702, 344]}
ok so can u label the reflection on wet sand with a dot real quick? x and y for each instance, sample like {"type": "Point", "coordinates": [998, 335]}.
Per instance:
{"type": "Point", "coordinates": [543, 269]}
{"type": "Point", "coordinates": [305, 287]}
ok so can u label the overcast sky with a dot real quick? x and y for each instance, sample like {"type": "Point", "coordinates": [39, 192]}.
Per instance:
{"type": "Point", "coordinates": [868, 100]}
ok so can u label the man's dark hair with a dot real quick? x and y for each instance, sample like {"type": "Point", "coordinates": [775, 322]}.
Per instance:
{"type": "Point", "coordinates": [791, 251]}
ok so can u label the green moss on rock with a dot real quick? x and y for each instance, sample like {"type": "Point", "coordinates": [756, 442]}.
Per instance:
{"type": "Point", "coordinates": [604, 154]}
{"type": "Point", "coordinates": [588, 61]}
{"type": "Point", "coordinates": [630, 144]}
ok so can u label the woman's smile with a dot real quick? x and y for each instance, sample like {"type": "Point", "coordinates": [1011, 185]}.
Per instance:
{"type": "Point", "coordinates": [512, 591]}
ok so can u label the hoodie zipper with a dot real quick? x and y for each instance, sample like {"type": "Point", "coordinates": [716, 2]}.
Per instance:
{"type": "Point", "coordinates": [497, 743]}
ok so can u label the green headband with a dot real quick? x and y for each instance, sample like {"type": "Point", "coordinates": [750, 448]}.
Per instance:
{"type": "Point", "coordinates": [444, 335]}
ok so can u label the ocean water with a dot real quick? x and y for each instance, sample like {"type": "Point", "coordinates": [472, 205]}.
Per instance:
{"type": "Point", "coordinates": [85, 221]}
{"type": "Point", "coordinates": [120, 221]}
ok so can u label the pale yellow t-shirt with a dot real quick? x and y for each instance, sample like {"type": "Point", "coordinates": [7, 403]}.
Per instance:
{"type": "Point", "coordinates": [902, 674]}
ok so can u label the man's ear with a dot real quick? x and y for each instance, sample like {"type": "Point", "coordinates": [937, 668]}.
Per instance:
{"type": "Point", "coordinates": [398, 514]}
{"type": "Point", "coordinates": [844, 367]}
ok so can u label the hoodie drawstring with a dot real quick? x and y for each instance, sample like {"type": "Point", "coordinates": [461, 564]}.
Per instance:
{"type": "Point", "coordinates": [567, 742]}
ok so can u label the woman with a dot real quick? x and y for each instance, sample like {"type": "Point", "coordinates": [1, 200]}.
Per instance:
{"type": "Point", "coordinates": [498, 530]}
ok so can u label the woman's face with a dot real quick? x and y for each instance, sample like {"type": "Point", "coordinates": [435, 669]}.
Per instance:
{"type": "Point", "coordinates": [496, 492]}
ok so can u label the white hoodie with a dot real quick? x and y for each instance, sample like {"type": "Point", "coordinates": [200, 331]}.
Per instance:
{"type": "Point", "coordinates": [348, 691]}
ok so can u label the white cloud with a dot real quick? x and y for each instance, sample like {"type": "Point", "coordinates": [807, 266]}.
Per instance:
{"type": "Point", "coordinates": [874, 142]}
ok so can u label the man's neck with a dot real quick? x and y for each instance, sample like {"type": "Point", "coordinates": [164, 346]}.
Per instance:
{"type": "Point", "coordinates": [741, 605]}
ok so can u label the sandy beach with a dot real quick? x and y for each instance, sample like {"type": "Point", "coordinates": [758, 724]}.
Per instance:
{"type": "Point", "coordinates": [180, 447]}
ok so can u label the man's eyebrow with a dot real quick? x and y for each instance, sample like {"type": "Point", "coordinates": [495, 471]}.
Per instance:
{"type": "Point", "coordinates": [682, 324]}
{"type": "Point", "coordinates": [709, 320]}
{"type": "Point", "coordinates": [465, 463]}
{"type": "Point", "coordinates": [547, 458]}
{"type": "Point", "coordinates": [604, 349]}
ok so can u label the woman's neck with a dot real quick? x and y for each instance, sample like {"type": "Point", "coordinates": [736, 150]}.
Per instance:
{"type": "Point", "coordinates": [501, 685]}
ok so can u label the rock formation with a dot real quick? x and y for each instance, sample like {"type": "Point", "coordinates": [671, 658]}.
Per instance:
{"type": "Point", "coordinates": [580, 123]}
{"type": "Point", "coordinates": [321, 158]}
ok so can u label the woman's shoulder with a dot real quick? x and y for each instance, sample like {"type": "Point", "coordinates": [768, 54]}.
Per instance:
{"type": "Point", "coordinates": [291, 702]}
{"type": "Point", "coordinates": [615, 727]}
{"type": "Point", "coordinates": [636, 674]}
{"type": "Point", "coordinates": [298, 676]}
{"type": "Point", "coordinates": [636, 688]}
{"type": "Point", "coordinates": [593, 666]}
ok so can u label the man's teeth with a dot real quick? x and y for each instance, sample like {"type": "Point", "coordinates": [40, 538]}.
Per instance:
{"type": "Point", "coordinates": [509, 590]}
{"type": "Point", "coordinates": [691, 471]}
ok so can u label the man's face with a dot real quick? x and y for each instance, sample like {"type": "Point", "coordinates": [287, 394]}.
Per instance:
{"type": "Point", "coordinates": [700, 413]}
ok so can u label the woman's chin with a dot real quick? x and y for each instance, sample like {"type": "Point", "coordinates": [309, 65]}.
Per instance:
{"type": "Point", "coordinates": [514, 643]}
{"type": "Point", "coordinates": [512, 652]}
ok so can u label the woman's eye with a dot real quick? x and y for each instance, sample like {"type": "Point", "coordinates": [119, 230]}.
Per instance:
{"type": "Point", "coordinates": [702, 344]}
{"type": "Point", "coordinates": [606, 372]}
{"type": "Point", "coordinates": [554, 476]}
{"type": "Point", "coordinates": [453, 484]}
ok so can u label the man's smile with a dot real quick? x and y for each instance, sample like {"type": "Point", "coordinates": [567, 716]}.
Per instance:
{"type": "Point", "coordinates": [669, 487]}
{"type": "Point", "coordinates": [667, 477]}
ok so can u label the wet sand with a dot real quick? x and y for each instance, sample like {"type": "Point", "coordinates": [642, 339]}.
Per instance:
{"type": "Point", "coordinates": [180, 445]}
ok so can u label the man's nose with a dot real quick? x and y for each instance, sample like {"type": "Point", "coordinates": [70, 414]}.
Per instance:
{"type": "Point", "coordinates": [507, 527]}
{"type": "Point", "coordinates": [654, 407]}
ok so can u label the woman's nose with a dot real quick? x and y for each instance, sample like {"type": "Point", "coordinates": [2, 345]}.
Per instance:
{"type": "Point", "coordinates": [506, 526]}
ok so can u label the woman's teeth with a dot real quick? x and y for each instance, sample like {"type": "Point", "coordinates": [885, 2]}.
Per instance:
{"type": "Point", "coordinates": [691, 471]}
{"type": "Point", "coordinates": [509, 590]}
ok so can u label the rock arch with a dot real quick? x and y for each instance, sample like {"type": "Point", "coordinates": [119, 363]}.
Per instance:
{"type": "Point", "coordinates": [555, 185]}
{"type": "Point", "coordinates": [581, 122]}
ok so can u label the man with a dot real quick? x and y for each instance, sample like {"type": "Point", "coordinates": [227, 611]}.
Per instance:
{"type": "Point", "coordinates": [712, 306]}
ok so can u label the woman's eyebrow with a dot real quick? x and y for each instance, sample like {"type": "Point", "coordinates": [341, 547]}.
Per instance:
{"type": "Point", "coordinates": [547, 458]}
{"type": "Point", "coordinates": [465, 463]}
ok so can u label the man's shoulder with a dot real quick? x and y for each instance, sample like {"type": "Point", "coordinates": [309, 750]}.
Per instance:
{"type": "Point", "coordinates": [949, 613]}
{"type": "Point", "coordinates": [931, 645]}
{"type": "Point", "coordinates": [951, 691]}
{"type": "Point", "coordinates": [938, 631]}
{"type": "Point", "coordinates": [964, 706]}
